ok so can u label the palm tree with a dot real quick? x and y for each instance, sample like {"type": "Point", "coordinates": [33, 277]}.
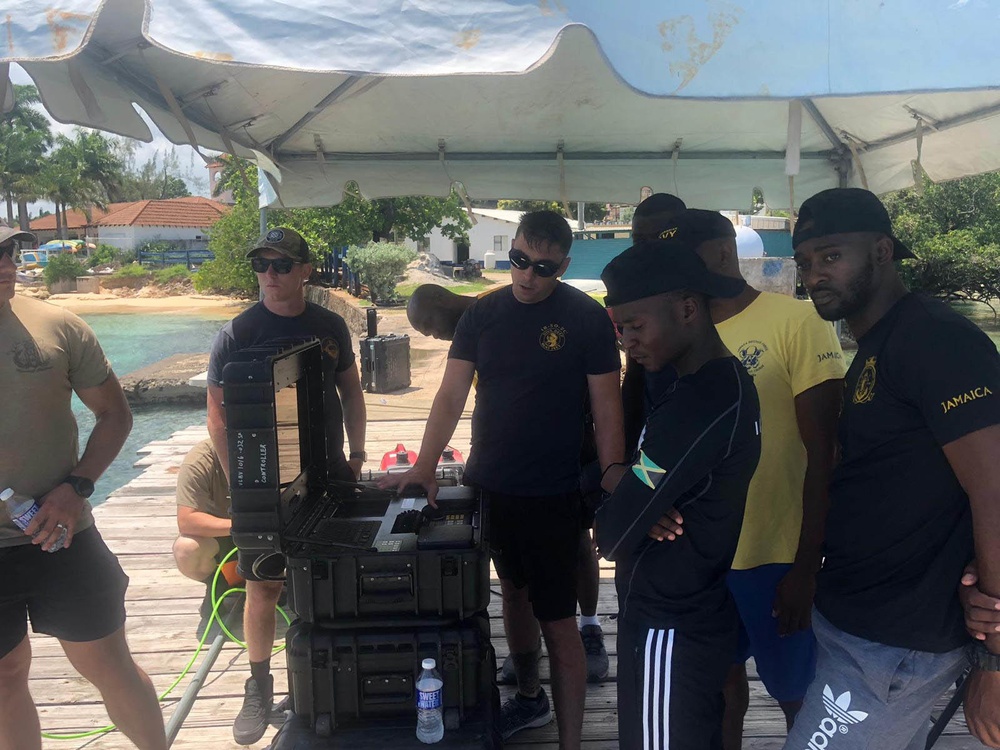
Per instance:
{"type": "Point", "coordinates": [25, 136]}
{"type": "Point", "coordinates": [81, 173]}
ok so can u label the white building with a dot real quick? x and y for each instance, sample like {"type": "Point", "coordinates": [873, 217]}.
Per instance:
{"type": "Point", "coordinates": [183, 222]}
{"type": "Point", "coordinates": [493, 232]}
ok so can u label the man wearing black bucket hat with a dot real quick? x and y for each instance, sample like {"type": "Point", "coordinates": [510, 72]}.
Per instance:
{"type": "Point", "coordinates": [698, 451]}
{"type": "Point", "coordinates": [915, 496]}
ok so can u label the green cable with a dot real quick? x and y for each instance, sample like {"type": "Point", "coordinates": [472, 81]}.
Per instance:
{"type": "Point", "coordinates": [194, 656]}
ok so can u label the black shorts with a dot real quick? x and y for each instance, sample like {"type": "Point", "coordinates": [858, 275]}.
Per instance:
{"type": "Point", "coordinates": [75, 594]}
{"type": "Point", "coordinates": [534, 542]}
{"type": "Point", "coordinates": [255, 565]}
{"type": "Point", "coordinates": [670, 687]}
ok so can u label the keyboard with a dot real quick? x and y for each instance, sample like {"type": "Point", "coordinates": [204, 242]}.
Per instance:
{"type": "Point", "coordinates": [341, 533]}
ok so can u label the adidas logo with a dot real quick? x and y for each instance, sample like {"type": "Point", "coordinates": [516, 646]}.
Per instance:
{"type": "Point", "coordinates": [841, 717]}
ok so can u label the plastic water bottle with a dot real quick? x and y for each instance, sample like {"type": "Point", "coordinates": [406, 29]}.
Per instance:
{"type": "Point", "coordinates": [21, 510]}
{"type": "Point", "coordinates": [430, 717]}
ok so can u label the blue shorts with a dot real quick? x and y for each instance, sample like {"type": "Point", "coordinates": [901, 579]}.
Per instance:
{"type": "Point", "coordinates": [786, 665]}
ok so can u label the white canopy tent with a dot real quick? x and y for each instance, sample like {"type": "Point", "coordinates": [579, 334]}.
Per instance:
{"type": "Point", "coordinates": [574, 100]}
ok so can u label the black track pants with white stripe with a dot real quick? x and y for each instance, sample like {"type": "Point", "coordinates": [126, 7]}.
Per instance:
{"type": "Point", "coordinates": [670, 688]}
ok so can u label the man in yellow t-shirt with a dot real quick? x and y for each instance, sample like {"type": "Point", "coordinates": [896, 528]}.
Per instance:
{"type": "Point", "coordinates": [798, 368]}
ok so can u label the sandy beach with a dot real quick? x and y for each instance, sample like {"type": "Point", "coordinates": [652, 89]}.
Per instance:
{"type": "Point", "coordinates": [186, 304]}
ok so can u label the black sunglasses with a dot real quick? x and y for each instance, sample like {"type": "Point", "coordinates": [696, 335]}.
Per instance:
{"type": "Point", "coordinates": [10, 248]}
{"type": "Point", "coordinates": [281, 265]}
{"type": "Point", "coordinates": [543, 268]}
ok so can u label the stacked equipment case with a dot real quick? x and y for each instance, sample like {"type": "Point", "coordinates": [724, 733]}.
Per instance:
{"type": "Point", "coordinates": [378, 580]}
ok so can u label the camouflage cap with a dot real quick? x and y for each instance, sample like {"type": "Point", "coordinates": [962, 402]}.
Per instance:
{"type": "Point", "coordinates": [283, 240]}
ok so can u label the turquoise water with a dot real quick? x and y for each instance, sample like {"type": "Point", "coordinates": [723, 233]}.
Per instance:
{"type": "Point", "coordinates": [135, 340]}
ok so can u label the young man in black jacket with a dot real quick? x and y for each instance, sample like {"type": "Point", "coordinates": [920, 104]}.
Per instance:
{"type": "Point", "coordinates": [698, 451]}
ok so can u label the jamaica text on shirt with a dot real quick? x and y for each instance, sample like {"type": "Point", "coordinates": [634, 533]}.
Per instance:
{"type": "Point", "coordinates": [964, 398]}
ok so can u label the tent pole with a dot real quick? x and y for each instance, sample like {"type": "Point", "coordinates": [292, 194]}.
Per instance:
{"type": "Point", "coordinates": [263, 220]}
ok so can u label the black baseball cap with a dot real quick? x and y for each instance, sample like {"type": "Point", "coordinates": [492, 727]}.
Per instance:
{"type": "Point", "coordinates": [842, 211]}
{"type": "Point", "coordinates": [660, 266]}
{"type": "Point", "coordinates": [283, 240]}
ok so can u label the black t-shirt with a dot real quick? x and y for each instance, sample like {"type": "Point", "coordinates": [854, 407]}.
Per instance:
{"type": "Point", "coordinates": [259, 326]}
{"type": "Point", "coordinates": [532, 362]}
{"type": "Point", "coordinates": [899, 531]}
{"type": "Point", "coordinates": [699, 451]}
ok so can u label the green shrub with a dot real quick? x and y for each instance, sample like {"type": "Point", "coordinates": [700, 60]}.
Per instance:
{"type": "Point", "coordinates": [104, 255]}
{"type": "Point", "coordinates": [62, 267]}
{"type": "Point", "coordinates": [171, 274]}
{"type": "Point", "coordinates": [380, 264]}
{"type": "Point", "coordinates": [232, 236]}
{"type": "Point", "coordinates": [131, 271]}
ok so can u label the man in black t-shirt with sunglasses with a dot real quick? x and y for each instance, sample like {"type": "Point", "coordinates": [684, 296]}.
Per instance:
{"type": "Point", "coordinates": [539, 348]}
{"type": "Point", "coordinates": [281, 261]}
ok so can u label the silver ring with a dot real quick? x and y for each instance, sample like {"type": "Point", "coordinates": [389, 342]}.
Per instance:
{"type": "Point", "coordinates": [61, 526]}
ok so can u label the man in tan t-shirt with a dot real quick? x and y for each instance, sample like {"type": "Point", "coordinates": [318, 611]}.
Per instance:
{"type": "Point", "coordinates": [77, 593]}
{"type": "Point", "coordinates": [202, 514]}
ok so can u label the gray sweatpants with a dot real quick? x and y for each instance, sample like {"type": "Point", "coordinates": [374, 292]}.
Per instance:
{"type": "Point", "coordinates": [868, 695]}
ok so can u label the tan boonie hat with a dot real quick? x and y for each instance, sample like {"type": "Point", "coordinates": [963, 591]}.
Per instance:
{"type": "Point", "coordinates": [283, 240]}
{"type": "Point", "coordinates": [13, 233]}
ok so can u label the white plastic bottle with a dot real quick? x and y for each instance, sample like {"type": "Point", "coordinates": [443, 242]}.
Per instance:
{"type": "Point", "coordinates": [21, 510]}
{"type": "Point", "coordinates": [430, 716]}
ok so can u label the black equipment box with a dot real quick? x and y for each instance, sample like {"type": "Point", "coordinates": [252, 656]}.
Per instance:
{"type": "Point", "coordinates": [386, 734]}
{"type": "Point", "coordinates": [385, 363]}
{"type": "Point", "coordinates": [377, 555]}
{"type": "Point", "coordinates": [272, 398]}
{"type": "Point", "coordinates": [343, 677]}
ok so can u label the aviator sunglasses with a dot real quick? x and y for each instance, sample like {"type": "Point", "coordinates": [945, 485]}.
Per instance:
{"type": "Point", "coordinates": [281, 265]}
{"type": "Point", "coordinates": [543, 268]}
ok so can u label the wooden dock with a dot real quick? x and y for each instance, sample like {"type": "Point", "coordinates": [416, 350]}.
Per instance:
{"type": "Point", "coordinates": [138, 522]}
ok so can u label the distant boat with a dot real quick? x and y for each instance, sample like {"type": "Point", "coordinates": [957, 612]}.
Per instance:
{"type": "Point", "coordinates": [40, 255]}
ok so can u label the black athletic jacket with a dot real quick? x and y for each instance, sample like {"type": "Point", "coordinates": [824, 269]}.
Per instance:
{"type": "Point", "coordinates": [698, 453]}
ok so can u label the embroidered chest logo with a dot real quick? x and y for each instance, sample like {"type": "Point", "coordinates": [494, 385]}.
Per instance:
{"type": "Point", "coordinates": [28, 357]}
{"type": "Point", "coordinates": [751, 353]}
{"type": "Point", "coordinates": [864, 391]}
{"type": "Point", "coordinates": [553, 337]}
{"type": "Point", "coordinates": [964, 398]}
{"type": "Point", "coordinates": [331, 348]}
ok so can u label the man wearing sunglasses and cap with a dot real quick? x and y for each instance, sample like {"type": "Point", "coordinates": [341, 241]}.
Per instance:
{"type": "Point", "coordinates": [915, 497]}
{"type": "Point", "coordinates": [281, 261]}
{"type": "Point", "coordinates": [539, 348]}
{"type": "Point", "coordinates": [677, 622]}
{"type": "Point", "coordinates": [75, 593]}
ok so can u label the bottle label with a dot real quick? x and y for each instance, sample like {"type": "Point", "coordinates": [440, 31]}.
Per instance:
{"type": "Point", "coordinates": [24, 519]}
{"type": "Point", "coordinates": [429, 699]}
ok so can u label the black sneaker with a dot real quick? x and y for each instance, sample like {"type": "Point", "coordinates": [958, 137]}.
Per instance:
{"type": "Point", "coordinates": [597, 655]}
{"type": "Point", "coordinates": [519, 713]}
{"type": "Point", "coordinates": [252, 721]}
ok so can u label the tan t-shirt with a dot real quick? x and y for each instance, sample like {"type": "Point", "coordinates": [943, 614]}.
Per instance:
{"type": "Point", "coordinates": [201, 483]}
{"type": "Point", "coordinates": [45, 354]}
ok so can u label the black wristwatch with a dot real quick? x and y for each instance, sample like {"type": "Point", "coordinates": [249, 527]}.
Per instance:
{"type": "Point", "coordinates": [358, 456]}
{"type": "Point", "coordinates": [81, 485]}
{"type": "Point", "coordinates": [981, 657]}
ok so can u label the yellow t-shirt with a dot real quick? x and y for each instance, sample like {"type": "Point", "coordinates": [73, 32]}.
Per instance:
{"type": "Point", "coordinates": [45, 354]}
{"type": "Point", "coordinates": [201, 483]}
{"type": "Point", "coordinates": [788, 349]}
